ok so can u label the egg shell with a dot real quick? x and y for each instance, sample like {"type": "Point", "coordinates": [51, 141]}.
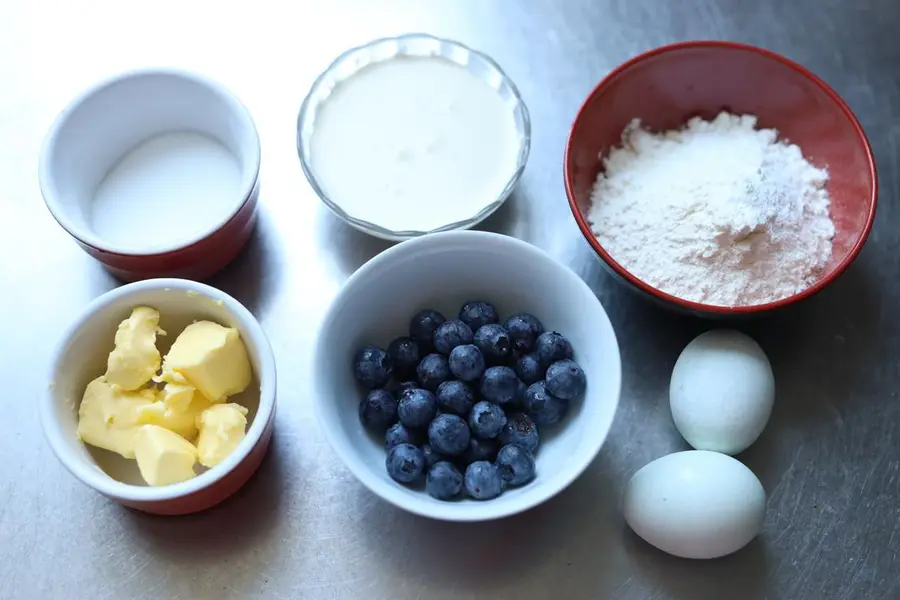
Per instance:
{"type": "Point", "coordinates": [695, 504]}
{"type": "Point", "coordinates": [722, 391]}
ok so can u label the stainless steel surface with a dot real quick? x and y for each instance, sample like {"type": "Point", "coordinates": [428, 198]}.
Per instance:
{"type": "Point", "coordinates": [304, 528]}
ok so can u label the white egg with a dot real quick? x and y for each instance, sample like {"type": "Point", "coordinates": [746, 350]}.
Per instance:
{"type": "Point", "coordinates": [722, 391]}
{"type": "Point", "coordinates": [695, 504]}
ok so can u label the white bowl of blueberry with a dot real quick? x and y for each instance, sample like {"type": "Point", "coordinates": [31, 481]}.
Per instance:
{"type": "Point", "coordinates": [466, 376]}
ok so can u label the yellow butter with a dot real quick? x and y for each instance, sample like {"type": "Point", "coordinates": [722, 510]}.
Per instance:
{"type": "Point", "coordinates": [135, 359]}
{"type": "Point", "coordinates": [177, 397]}
{"type": "Point", "coordinates": [210, 357]}
{"type": "Point", "coordinates": [108, 416]}
{"type": "Point", "coordinates": [222, 427]}
{"type": "Point", "coordinates": [176, 408]}
{"type": "Point", "coordinates": [163, 457]}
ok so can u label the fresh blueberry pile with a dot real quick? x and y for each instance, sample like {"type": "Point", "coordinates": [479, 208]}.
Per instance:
{"type": "Point", "coordinates": [461, 402]}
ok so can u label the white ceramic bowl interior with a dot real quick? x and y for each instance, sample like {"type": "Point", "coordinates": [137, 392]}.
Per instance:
{"type": "Point", "coordinates": [352, 61]}
{"type": "Point", "coordinates": [106, 122]}
{"type": "Point", "coordinates": [81, 356]}
{"type": "Point", "coordinates": [442, 271]}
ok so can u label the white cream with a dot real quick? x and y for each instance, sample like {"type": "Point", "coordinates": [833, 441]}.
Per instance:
{"type": "Point", "coordinates": [414, 144]}
{"type": "Point", "coordinates": [168, 190]}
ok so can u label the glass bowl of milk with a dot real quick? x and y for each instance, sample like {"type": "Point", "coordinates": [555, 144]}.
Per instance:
{"type": "Point", "coordinates": [411, 135]}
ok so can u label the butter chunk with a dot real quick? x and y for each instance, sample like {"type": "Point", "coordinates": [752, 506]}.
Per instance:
{"type": "Point", "coordinates": [222, 427]}
{"type": "Point", "coordinates": [210, 357]}
{"type": "Point", "coordinates": [135, 358]}
{"type": "Point", "coordinates": [178, 397]}
{"type": "Point", "coordinates": [163, 457]}
{"type": "Point", "coordinates": [108, 416]}
{"type": "Point", "coordinates": [176, 409]}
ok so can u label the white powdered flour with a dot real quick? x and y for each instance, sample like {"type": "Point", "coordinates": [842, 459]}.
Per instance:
{"type": "Point", "coordinates": [718, 212]}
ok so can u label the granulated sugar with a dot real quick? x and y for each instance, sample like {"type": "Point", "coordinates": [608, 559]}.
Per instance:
{"type": "Point", "coordinates": [718, 212]}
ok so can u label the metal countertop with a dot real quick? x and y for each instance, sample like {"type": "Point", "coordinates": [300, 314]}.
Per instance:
{"type": "Point", "coordinates": [303, 527]}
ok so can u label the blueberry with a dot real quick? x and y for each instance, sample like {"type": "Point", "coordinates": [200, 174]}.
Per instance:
{"type": "Point", "coordinates": [551, 347]}
{"type": "Point", "coordinates": [516, 465]}
{"type": "Point", "coordinates": [397, 434]}
{"type": "Point", "coordinates": [483, 480]}
{"type": "Point", "coordinates": [519, 400]}
{"type": "Point", "coordinates": [476, 314]}
{"type": "Point", "coordinates": [466, 362]}
{"type": "Point", "coordinates": [499, 385]}
{"type": "Point", "coordinates": [451, 334]}
{"type": "Point", "coordinates": [433, 371]}
{"type": "Point", "coordinates": [529, 368]}
{"type": "Point", "coordinates": [520, 430]}
{"type": "Point", "coordinates": [486, 420]}
{"type": "Point", "coordinates": [480, 449]}
{"type": "Point", "coordinates": [544, 407]}
{"type": "Point", "coordinates": [455, 397]}
{"type": "Point", "coordinates": [422, 326]}
{"type": "Point", "coordinates": [565, 379]}
{"type": "Point", "coordinates": [378, 409]}
{"type": "Point", "coordinates": [417, 407]}
{"type": "Point", "coordinates": [494, 343]}
{"type": "Point", "coordinates": [405, 356]}
{"type": "Point", "coordinates": [431, 455]}
{"type": "Point", "coordinates": [449, 434]}
{"type": "Point", "coordinates": [406, 385]}
{"type": "Point", "coordinates": [372, 367]}
{"type": "Point", "coordinates": [444, 481]}
{"type": "Point", "coordinates": [524, 330]}
{"type": "Point", "coordinates": [405, 463]}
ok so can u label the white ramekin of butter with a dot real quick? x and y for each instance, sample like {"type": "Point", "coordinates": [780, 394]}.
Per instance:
{"type": "Point", "coordinates": [162, 396]}
{"type": "Point", "coordinates": [412, 135]}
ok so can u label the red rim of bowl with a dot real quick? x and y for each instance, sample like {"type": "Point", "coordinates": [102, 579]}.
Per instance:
{"type": "Point", "coordinates": [585, 227]}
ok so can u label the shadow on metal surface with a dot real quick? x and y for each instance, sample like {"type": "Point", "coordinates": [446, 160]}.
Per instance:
{"type": "Point", "coordinates": [685, 579]}
{"type": "Point", "coordinates": [223, 532]}
{"type": "Point", "coordinates": [253, 277]}
{"type": "Point", "coordinates": [542, 549]}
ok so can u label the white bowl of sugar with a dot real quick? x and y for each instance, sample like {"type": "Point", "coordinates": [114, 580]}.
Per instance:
{"type": "Point", "coordinates": [154, 173]}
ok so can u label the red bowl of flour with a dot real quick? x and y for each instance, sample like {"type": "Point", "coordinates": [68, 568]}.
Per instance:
{"type": "Point", "coordinates": [668, 86]}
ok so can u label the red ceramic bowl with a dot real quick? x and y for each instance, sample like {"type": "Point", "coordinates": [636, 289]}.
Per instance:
{"type": "Point", "coordinates": [81, 356]}
{"type": "Point", "coordinates": [669, 85]}
{"type": "Point", "coordinates": [103, 125]}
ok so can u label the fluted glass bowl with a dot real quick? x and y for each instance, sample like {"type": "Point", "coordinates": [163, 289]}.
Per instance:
{"type": "Point", "coordinates": [413, 45]}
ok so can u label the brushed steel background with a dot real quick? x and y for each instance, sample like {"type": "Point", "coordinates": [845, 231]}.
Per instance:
{"type": "Point", "coordinates": [304, 528]}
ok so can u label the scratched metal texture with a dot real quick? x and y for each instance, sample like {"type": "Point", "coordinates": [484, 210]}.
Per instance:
{"type": "Point", "coordinates": [304, 528]}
